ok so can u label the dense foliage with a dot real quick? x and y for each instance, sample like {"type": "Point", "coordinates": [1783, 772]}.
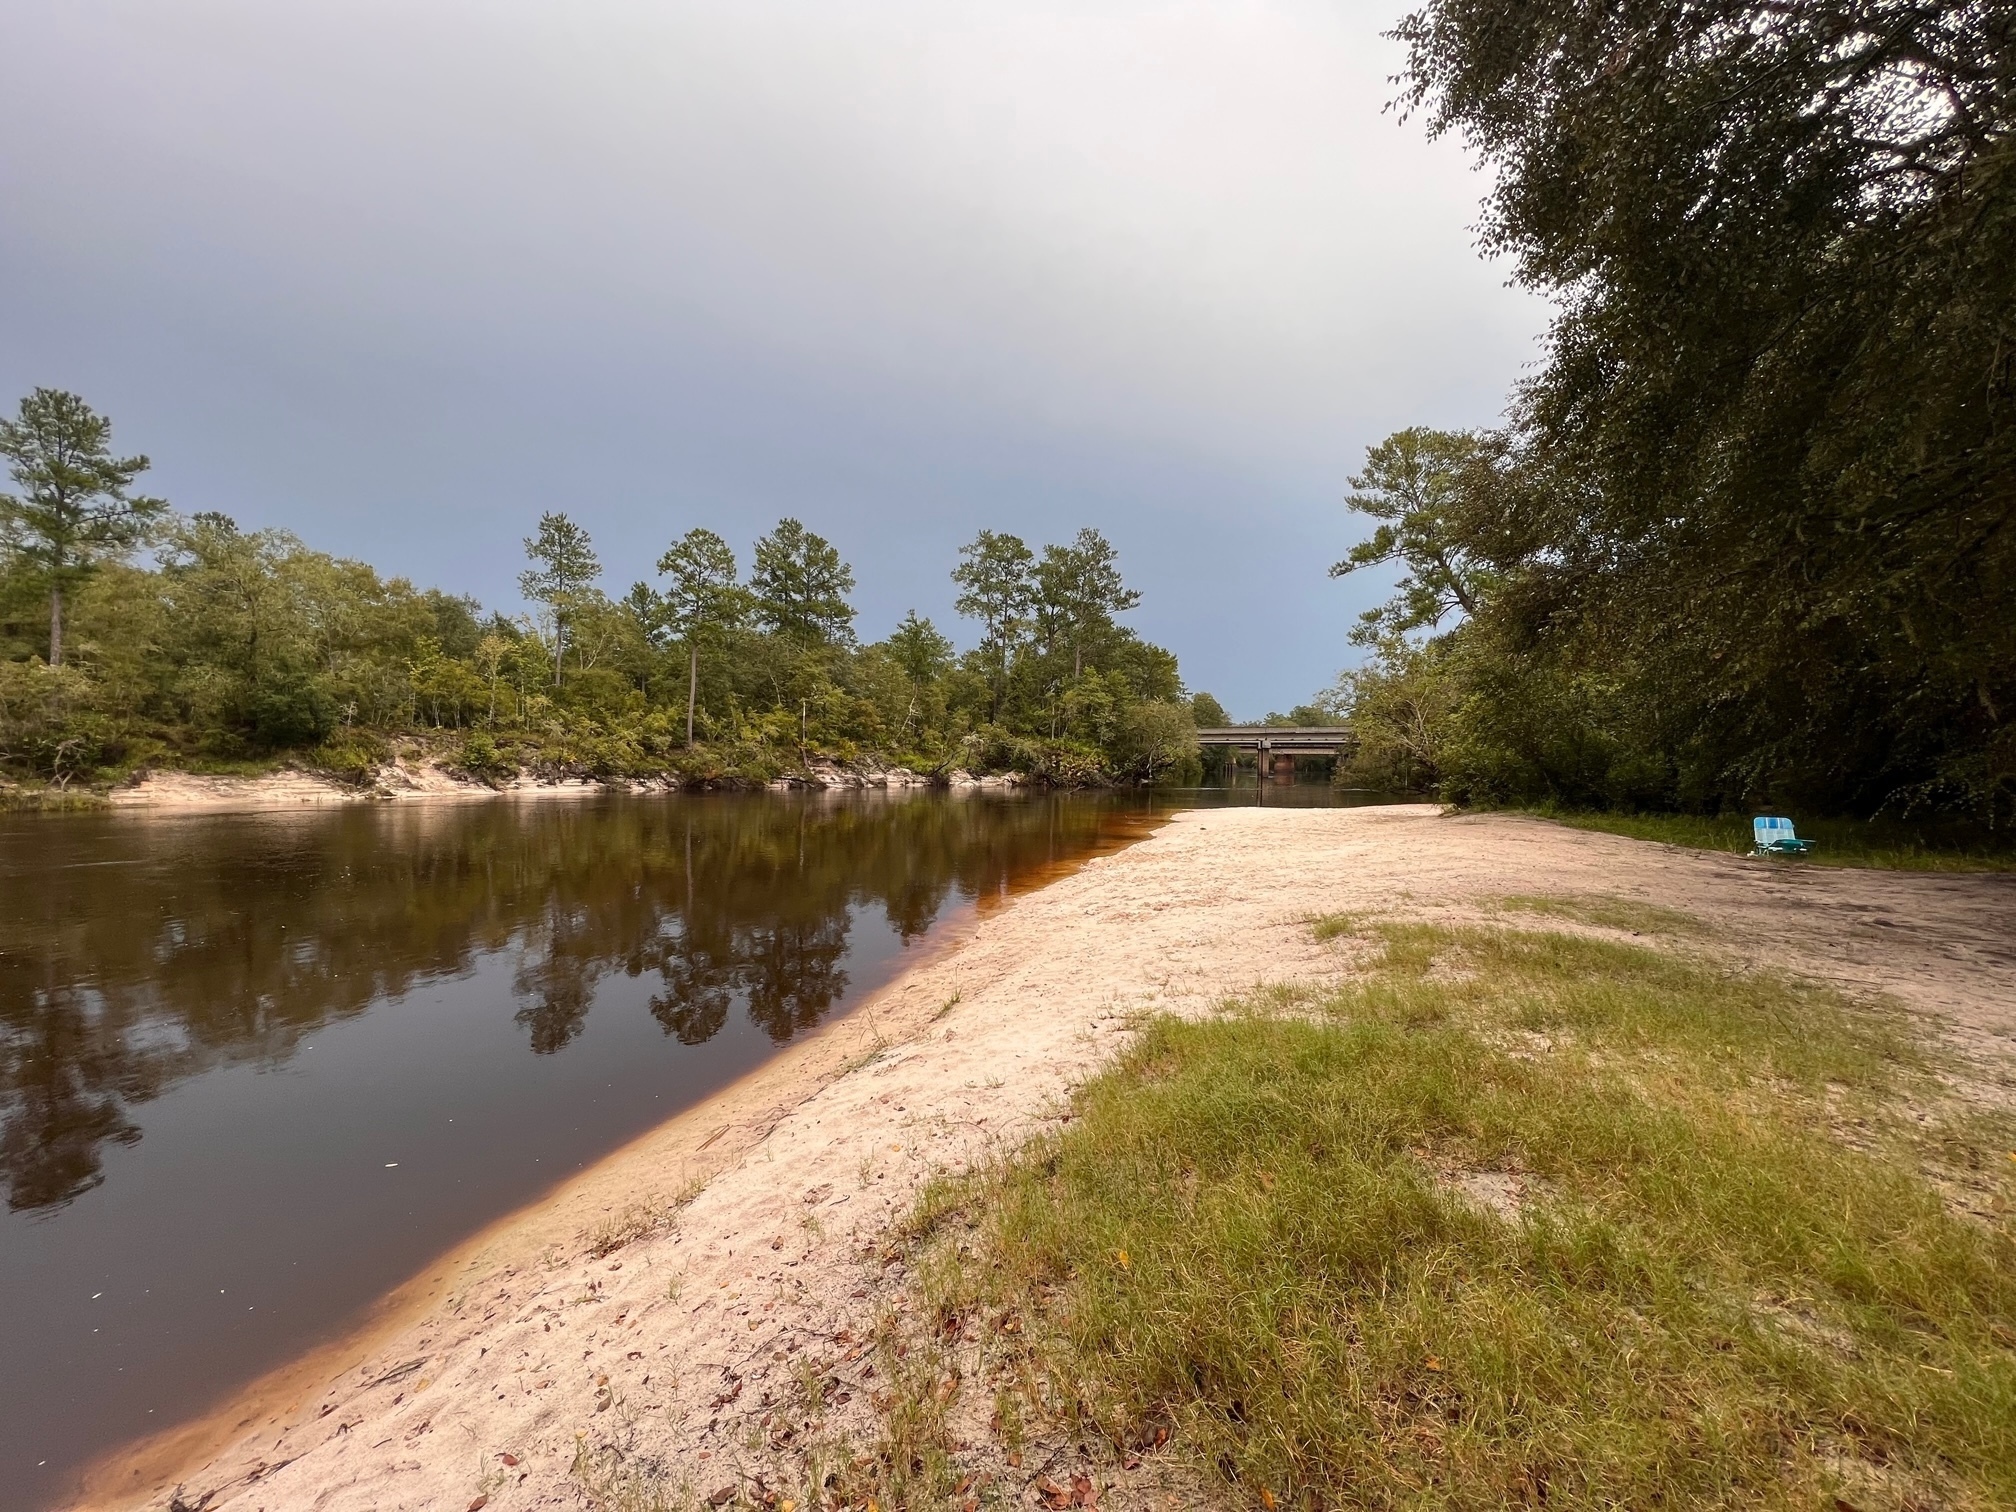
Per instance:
{"type": "Point", "coordinates": [1750, 535]}
{"type": "Point", "coordinates": [237, 646]}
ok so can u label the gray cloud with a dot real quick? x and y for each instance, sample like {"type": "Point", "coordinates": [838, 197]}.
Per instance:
{"type": "Point", "coordinates": [399, 276]}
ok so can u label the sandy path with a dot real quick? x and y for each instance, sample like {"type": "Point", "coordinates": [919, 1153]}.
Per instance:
{"type": "Point", "coordinates": [677, 1347]}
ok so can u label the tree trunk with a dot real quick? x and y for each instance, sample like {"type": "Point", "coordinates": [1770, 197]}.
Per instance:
{"type": "Point", "coordinates": [1455, 584]}
{"type": "Point", "coordinates": [692, 686]}
{"type": "Point", "coordinates": [55, 627]}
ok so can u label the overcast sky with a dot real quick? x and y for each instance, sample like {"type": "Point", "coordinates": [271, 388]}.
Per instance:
{"type": "Point", "coordinates": [398, 276]}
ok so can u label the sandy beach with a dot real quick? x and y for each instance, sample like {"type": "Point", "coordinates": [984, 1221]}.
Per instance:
{"type": "Point", "coordinates": [667, 1302]}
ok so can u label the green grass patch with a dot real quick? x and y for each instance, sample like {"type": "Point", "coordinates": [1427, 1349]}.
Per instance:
{"type": "Point", "coordinates": [1627, 914]}
{"type": "Point", "coordinates": [1264, 1231]}
{"type": "Point", "coordinates": [47, 798]}
{"type": "Point", "coordinates": [1332, 926]}
{"type": "Point", "coordinates": [1881, 844]}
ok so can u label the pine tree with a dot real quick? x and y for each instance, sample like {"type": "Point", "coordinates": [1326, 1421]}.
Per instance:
{"type": "Point", "coordinates": [801, 587]}
{"type": "Point", "coordinates": [74, 511]}
{"type": "Point", "coordinates": [567, 568]}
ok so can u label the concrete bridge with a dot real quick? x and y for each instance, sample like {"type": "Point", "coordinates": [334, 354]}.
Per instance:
{"type": "Point", "coordinates": [1277, 746]}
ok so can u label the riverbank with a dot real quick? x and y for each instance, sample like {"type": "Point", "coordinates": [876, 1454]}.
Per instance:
{"type": "Point", "coordinates": [407, 779]}
{"type": "Point", "coordinates": [694, 1313]}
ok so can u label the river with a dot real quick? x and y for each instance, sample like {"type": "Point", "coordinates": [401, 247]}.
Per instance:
{"type": "Point", "coordinates": [257, 1069]}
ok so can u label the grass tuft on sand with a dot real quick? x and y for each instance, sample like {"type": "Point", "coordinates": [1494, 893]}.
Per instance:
{"type": "Point", "coordinates": [1332, 926]}
{"type": "Point", "coordinates": [1516, 1218]}
{"type": "Point", "coordinates": [1626, 915]}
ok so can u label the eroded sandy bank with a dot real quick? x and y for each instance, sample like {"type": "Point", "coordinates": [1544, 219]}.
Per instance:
{"type": "Point", "coordinates": [420, 777]}
{"type": "Point", "coordinates": [485, 1376]}
{"type": "Point", "coordinates": [192, 791]}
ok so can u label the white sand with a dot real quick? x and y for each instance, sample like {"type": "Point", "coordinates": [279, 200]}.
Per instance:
{"type": "Point", "coordinates": [677, 1346]}
{"type": "Point", "coordinates": [397, 781]}
{"type": "Point", "coordinates": [412, 775]}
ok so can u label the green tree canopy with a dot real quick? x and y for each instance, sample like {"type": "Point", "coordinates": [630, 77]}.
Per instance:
{"type": "Point", "coordinates": [1208, 713]}
{"type": "Point", "coordinates": [702, 601]}
{"type": "Point", "coordinates": [702, 596]}
{"type": "Point", "coordinates": [1079, 591]}
{"type": "Point", "coordinates": [922, 653]}
{"type": "Point", "coordinates": [239, 644]}
{"type": "Point", "coordinates": [801, 587]}
{"type": "Point", "coordinates": [75, 509]}
{"type": "Point", "coordinates": [1421, 485]}
{"type": "Point", "coordinates": [996, 588]}
{"type": "Point", "coordinates": [1158, 733]}
{"type": "Point", "coordinates": [563, 573]}
{"type": "Point", "coordinates": [1753, 525]}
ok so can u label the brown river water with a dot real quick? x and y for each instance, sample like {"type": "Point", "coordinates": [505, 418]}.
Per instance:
{"type": "Point", "coordinates": [257, 1069]}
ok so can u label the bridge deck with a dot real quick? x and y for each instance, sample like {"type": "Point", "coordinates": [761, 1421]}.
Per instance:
{"type": "Point", "coordinates": [1325, 740]}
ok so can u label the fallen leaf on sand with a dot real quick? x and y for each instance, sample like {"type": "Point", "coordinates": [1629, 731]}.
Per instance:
{"type": "Point", "coordinates": [479, 1504]}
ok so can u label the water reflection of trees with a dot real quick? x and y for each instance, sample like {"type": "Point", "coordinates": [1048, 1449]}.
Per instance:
{"type": "Point", "coordinates": [134, 955]}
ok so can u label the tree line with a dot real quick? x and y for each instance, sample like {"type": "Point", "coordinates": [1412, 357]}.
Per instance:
{"type": "Point", "coordinates": [1749, 534]}
{"type": "Point", "coordinates": [137, 636]}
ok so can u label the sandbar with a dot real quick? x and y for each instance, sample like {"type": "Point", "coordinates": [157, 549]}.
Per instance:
{"type": "Point", "coordinates": [761, 1216]}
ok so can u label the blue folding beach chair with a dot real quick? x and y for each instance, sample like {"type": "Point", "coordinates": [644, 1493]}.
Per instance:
{"type": "Point", "coordinates": [1774, 837]}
